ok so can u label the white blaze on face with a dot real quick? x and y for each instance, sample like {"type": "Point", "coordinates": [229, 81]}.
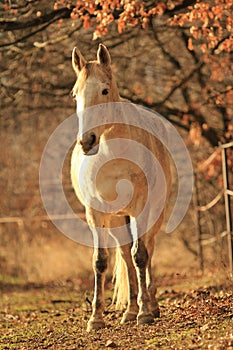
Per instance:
{"type": "Point", "coordinates": [90, 95]}
{"type": "Point", "coordinates": [79, 110]}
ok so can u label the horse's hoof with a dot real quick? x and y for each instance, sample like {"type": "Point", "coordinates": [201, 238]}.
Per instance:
{"type": "Point", "coordinates": [128, 316]}
{"type": "Point", "coordinates": [95, 325]}
{"type": "Point", "coordinates": [145, 318]}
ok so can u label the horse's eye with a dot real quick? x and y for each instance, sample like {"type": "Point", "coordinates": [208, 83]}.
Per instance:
{"type": "Point", "coordinates": [105, 92]}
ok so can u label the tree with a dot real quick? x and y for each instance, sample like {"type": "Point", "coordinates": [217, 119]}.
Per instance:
{"type": "Point", "coordinates": [204, 27]}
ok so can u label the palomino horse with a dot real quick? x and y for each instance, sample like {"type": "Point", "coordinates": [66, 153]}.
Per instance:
{"type": "Point", "coordinates": [134, 283]}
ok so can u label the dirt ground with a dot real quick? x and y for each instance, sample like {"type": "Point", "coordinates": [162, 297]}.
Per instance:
{"type": "Point", "coordinates": [196, 313]}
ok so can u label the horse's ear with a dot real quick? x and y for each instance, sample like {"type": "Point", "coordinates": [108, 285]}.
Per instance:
{"type": "Point", "coordinates": [103, 55]}
{"type": "Point", "coordinates": [78, 61]}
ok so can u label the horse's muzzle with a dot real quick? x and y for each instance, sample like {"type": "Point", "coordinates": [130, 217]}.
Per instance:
{"type": "Point", "coordinates": [88, 141]}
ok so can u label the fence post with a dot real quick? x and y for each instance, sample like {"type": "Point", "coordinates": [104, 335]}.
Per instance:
{"type": "Point", "coordinates": [227, 205]}
{"type": "Point", "coordinates": [198, 221]}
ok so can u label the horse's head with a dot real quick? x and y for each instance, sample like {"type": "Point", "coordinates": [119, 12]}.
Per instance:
{"type": "Point", "coordinates": [95, 85]}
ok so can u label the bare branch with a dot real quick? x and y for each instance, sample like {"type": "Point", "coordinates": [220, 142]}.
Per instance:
{"type": "Point", "coordinates": [52, 16]}
{"type": "Point", "coordinates": [182, 82]}
{"type": "Point", "coordinates": [57, 40]}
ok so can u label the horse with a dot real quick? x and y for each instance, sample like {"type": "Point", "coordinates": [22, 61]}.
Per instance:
{"type": "Point", "coordinates": [135, 288]}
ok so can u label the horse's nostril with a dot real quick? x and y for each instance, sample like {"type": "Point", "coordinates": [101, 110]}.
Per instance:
{"type": "Point", "coordinates": [88, 141]}
{"type": "Point", "coordinates": [92, 139]}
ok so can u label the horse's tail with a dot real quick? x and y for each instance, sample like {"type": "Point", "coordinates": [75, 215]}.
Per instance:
{"type": "Point", "coordinates": [120, 279]}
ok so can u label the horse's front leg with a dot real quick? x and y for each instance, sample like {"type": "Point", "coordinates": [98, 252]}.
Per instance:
{"type": "Point", "coordinates": [150, 243]}
{"type": "Point", "coordinates": [141, 258]}
{"type": "Point", "coordinates": [100, 260]}
{"type": "Point", "coordinates": [132, 307]}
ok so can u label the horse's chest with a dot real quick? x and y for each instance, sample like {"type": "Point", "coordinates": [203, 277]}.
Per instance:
{"type": "Point", "coordinates": [111, 183]}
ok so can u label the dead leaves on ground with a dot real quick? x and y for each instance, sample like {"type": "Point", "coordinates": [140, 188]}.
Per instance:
{"type": "Point", "coordinates": [198, 319]}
